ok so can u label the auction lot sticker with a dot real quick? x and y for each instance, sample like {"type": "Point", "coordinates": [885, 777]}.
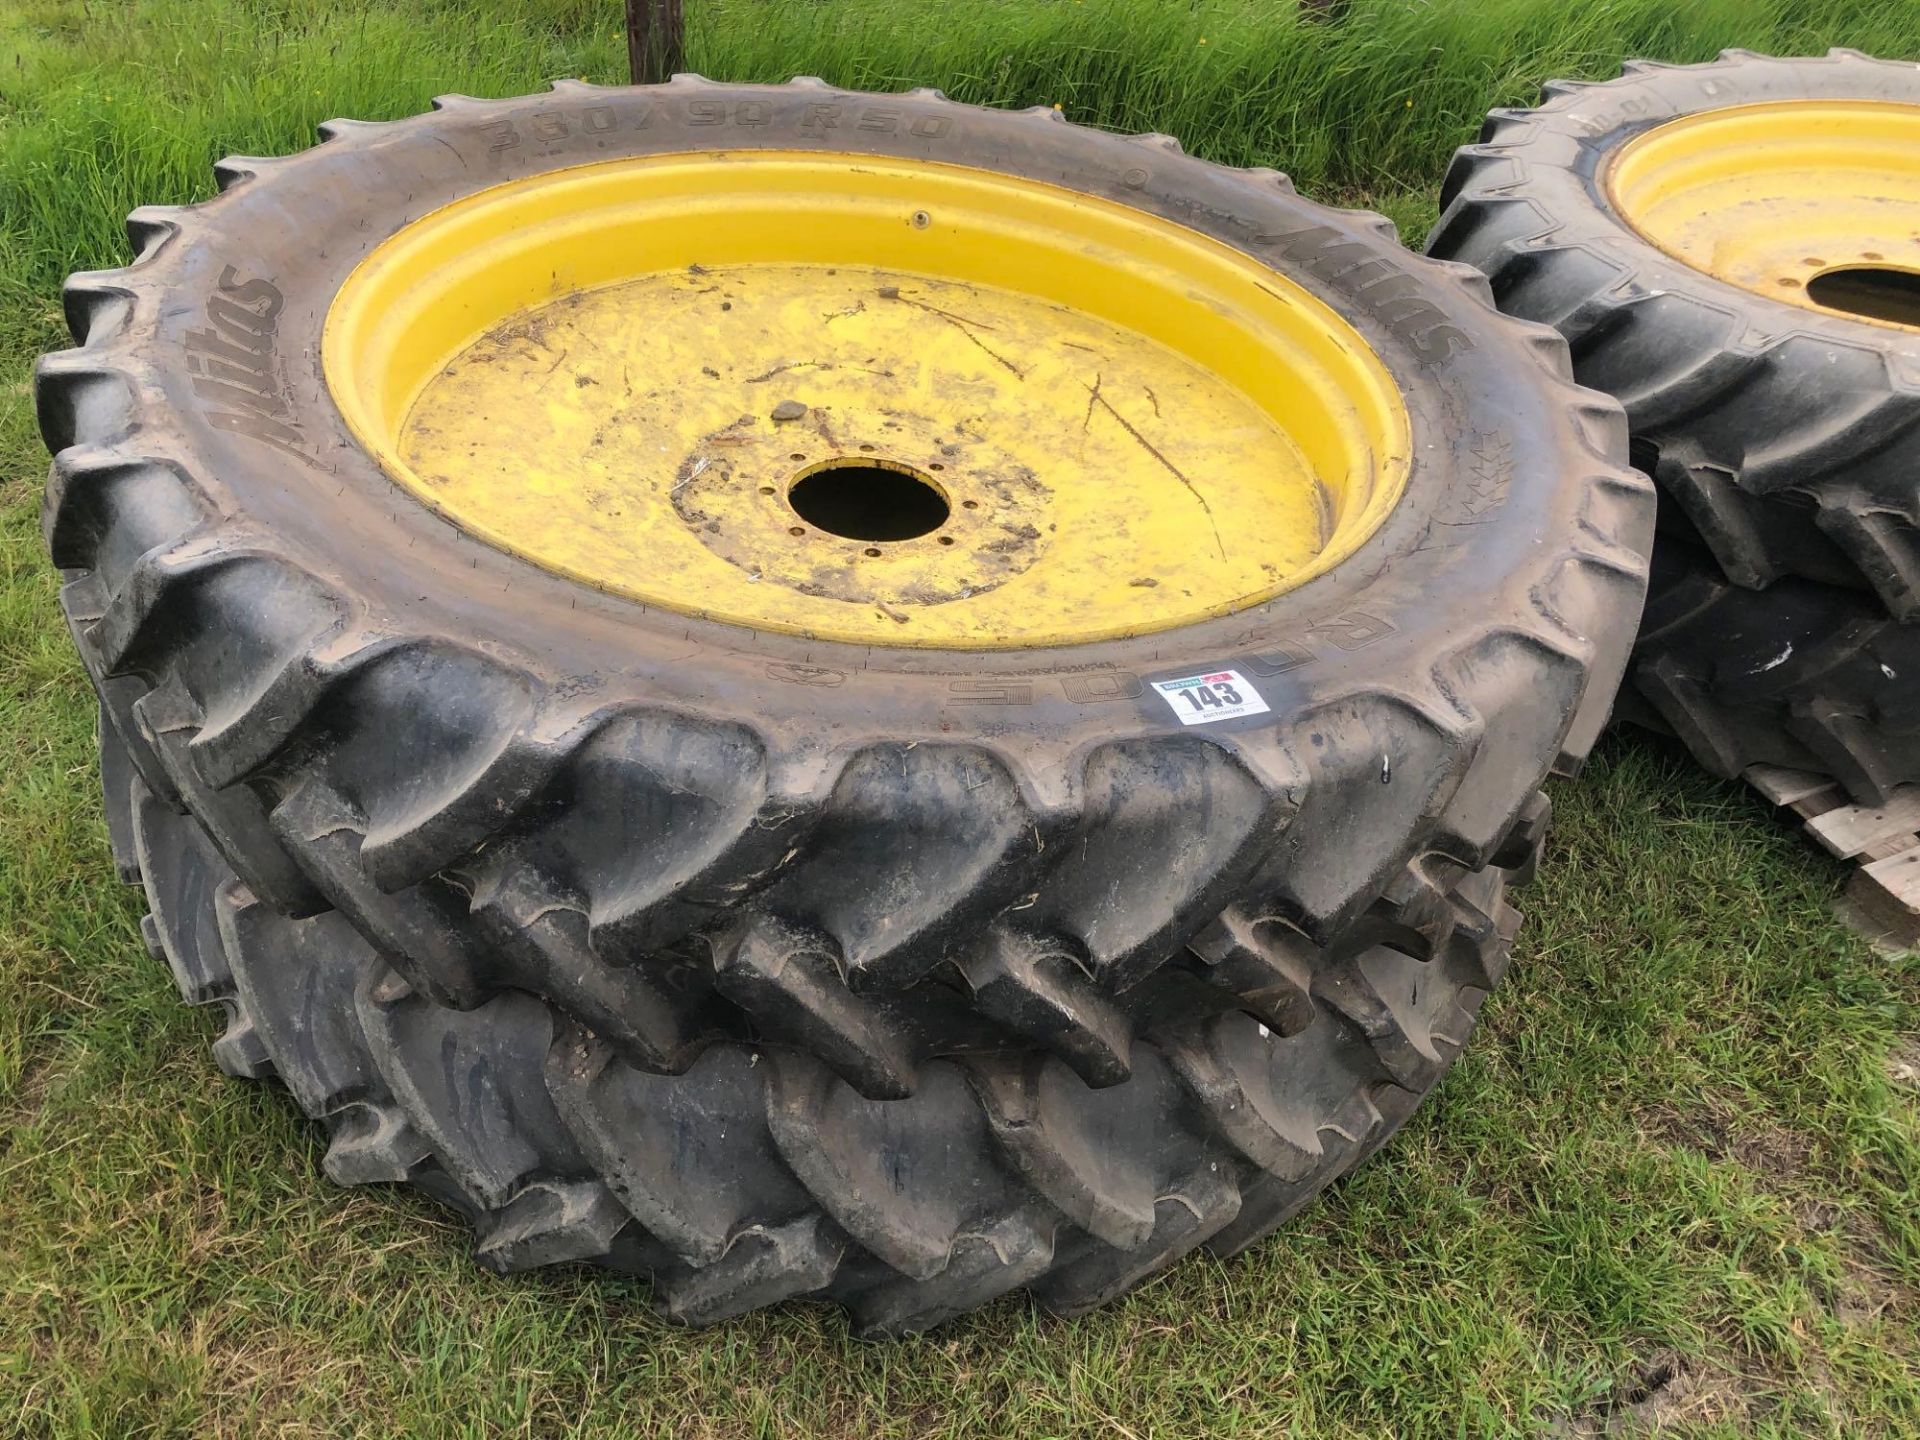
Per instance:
{"type": "Point", "coordinates": [1202, 699]}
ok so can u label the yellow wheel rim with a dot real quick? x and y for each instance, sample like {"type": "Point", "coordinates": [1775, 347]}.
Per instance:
{"type": "Point", "coordinates": [1814, 202]}
{"type": "Point", "coordinates": [867, 400]}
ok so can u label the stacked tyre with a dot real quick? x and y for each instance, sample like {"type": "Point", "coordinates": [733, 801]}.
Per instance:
{"type": "Point", "coordinates": [780, 958]}
{"type": "Point", "coordinates": [1733, 251]}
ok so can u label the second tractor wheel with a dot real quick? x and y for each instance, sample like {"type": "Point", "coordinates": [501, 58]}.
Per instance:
{"type": "Point", "coordinates": [755, 1176]}
{"type": "Point", "coordinates": [823, 694]}
{"type": "Point", "coordinates": [1733, 250]}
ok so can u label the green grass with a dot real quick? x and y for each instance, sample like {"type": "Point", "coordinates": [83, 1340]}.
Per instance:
{"type": "Point", "coordinates": [1688, 1133]}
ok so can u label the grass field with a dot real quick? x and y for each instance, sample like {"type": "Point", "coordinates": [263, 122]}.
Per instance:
{"type": "Point", "coordinates": [1674, 1184]}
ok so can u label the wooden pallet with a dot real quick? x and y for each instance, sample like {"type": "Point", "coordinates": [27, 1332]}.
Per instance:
{"type": "Point", "coordinates": [1883, 893]}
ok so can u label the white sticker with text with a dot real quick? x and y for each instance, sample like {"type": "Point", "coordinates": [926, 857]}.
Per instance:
{"type": "Point", "coordinates": [1202, 699]}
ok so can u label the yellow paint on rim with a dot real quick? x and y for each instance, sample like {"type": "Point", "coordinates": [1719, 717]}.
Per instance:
{"type": "Point", "coordinates": [867, 400]}
{"type": "Point", "coordinates": [1812, 202]}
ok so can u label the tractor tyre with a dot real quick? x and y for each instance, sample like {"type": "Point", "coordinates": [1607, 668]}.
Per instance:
{"type": "Point", "coordinates": [1733, 251]}
{"type": "Point", "coordinates": [835, 695]}
{"type": "Point", "coordinates": [755, 1176]}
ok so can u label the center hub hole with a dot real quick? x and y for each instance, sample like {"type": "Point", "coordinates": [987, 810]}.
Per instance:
{"type": "Point", "coordinates": [868, 500]}
{"type": "Point", "coordinates": [1870, 290]}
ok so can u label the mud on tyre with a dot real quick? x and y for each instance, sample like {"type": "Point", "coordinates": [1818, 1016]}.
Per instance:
{"type": "Point", "coordinates": [740, 908]}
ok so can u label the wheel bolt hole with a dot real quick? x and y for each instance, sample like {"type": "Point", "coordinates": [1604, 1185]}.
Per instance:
{"type": "Point", "coordinates": [796, 456]}
{"type": "Point", "coordinates": [969, 504]}
{"type": "Point", "coordinates": [796, 530]}
{"type": "Point", "coordinates": [871, 551]}
{"type": "Point", "coordinates": [946, 539]}
{"type": "Point", "coordinates": [767, 490]}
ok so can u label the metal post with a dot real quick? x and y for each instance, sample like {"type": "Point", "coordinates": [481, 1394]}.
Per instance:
{"type": "Point", "coordinates": [656, 40]}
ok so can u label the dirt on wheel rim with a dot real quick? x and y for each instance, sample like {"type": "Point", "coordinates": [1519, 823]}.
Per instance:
{"type": "Point", "coordinates": [630, 372]}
